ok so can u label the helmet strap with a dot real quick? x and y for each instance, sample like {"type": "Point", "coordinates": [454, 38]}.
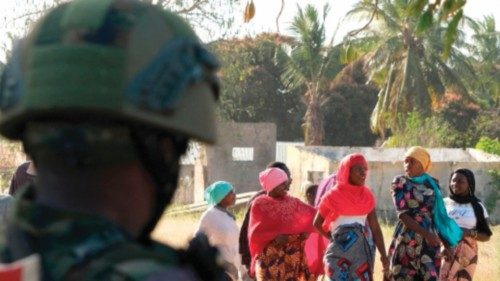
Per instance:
{"type": "Point", "coordinates": [164, 172]}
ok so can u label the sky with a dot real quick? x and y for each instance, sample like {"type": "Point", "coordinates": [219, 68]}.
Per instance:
{"type": "Point", "coordinates": [267, 10]}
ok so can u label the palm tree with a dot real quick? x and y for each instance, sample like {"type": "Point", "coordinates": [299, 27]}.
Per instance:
{"type": "Point", "coordinates": [311, 65]}
{"type": "Point", "coordinates": [485, 55]}
{"type": "Point", "coordinates": [407, 64]}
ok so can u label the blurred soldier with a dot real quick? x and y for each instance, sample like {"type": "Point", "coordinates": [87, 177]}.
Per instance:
{"type": "Point", "coordinates": [104, 95]}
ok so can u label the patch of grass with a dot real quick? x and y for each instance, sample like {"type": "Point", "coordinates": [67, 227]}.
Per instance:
{"type": "Point", "coordinates": [178, 230]}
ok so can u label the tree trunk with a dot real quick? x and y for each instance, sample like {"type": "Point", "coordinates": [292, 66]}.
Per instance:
{"type": "Point", "coordinates": [314, 132]}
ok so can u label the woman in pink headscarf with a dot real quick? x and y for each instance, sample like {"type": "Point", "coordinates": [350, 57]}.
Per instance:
{"type": "Point", "coordinates": [279, 225]}
{"type": "Point", "coordinates": [345, 213]}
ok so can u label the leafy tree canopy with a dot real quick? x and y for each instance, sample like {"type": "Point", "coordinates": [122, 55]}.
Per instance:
{"type": "Point", "coordinates": [252, 90]}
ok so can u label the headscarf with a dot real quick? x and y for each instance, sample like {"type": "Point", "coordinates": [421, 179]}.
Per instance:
{"type": "Point", "coordinates": [446, 227]}
{"type": "Point", "coordinates": [271, 178]}
{"type": "Point", "coordinates": [316, 244]}
{"type": "Point", "coordinates": [421, 155]}
{"type": "Point", "coordinates": [481, 224]}
{"type": "Point", "coordinates": [323, 187]}
{"type": "Point", "coordinates": [217, 191]}
{"type": "Point", "coordinates": [345, 199]}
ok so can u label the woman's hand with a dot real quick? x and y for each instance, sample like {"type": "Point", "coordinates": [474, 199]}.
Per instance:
{"type": "Point", "coordinates": [470, 233]}
{"type": "Point", "coordinates": [318, 224]}
{"type": "Point", "coordinates": [281, 239]}
{"type": "Point", "coordinates": [432, 239]}
{"type": "Point", "coordinates": [303, 236]}
{"type": "Point", "coordinates": [385, 263]}
{"type": "Point", "coordinates": [385, 268]}
{"type": "Point", "coordinates": [447, 254]}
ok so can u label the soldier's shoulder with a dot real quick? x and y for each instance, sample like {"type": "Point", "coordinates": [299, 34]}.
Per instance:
{"type": "Point", "coordinates": [133, 261]}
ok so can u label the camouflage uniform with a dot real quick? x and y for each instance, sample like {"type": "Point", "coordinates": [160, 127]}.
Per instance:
{"type": "Point", "coordinates": [143, 71]}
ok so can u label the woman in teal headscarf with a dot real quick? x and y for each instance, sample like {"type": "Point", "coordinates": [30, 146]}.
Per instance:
{"type": "Point", "coordinates": [423, 222]}
{"type": "Point", "coordinates": [219, 224]}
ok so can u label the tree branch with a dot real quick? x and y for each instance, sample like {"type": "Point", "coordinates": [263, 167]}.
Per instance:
{"type": "Point", "coordinates": [196, 5]}
{"type": "Point", "coordinates": [279, 15]}
{"type": "Point", "coordinates": [34, 13]}
{"type": "Point", "coordinates": [355, 32]}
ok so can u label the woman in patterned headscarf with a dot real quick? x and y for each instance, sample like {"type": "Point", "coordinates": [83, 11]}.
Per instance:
{"type": "Point", "coordinates": [279, 225]}
{"type": "Point", "coordinates": [423, 223]}
{"type": "Point", "coordinates": [347, 217]}
{"type": "Point", "coordinates": [469, 212]}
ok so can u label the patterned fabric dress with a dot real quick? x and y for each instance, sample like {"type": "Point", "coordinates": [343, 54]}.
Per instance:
{"type": "Point", "coordinates": [410, 256]}
{"type": "Point", "coordinates": [269, 218]}
{"type": "Point", "coordinates": [283, 262]}
{"type": "Point", "coordinates": [465, 258]}
{"type": "Point", "coordinates": [464, 262]}
{"type": "Point", "coordinates": [350, 254]}
{"type": "Point", "coordinates": [345, 207]}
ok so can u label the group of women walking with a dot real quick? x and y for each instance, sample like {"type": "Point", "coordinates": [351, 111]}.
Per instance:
{"type": "Point", "coordinates": [435, 237]}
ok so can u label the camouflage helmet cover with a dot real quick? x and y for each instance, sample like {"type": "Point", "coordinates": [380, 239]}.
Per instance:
{"type": "Point", "coordinates": [112, 60]}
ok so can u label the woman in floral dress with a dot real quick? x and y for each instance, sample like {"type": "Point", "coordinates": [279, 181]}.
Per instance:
{"type": "Point", "coordinates": [423, 223]}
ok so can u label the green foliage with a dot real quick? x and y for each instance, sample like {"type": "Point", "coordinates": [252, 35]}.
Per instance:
{"type": "Point", "coordinates": [425, 22]}
{"type": "Point", "coordinates": [311, 65]}
{"type": "Point", "coordinates": [405, 61]}
{"type": "Point", "coordinates": [417, 6]}
{"type": "Point", "coordinates": [347, 111]}
{"type": "Point", "coordinates": [486, 125]}
{"type": "Point", "coordinates": [252, 89]}
{"type": "Point", "coordinates": [451, 33]}
{"type": "Point", "coordinates": [452, 126]}
{"type": "Point", "coordinates": [494, 196]}
{"type": "Point", "coordinates": [417, 130]}
{"type": "Point", "coordinates": [485, 57]}
{"type": "Point", "coordinates": [459, 116]}
{"type": "Point", "coordinates": [448, 13]}
{"type": "Point", "coordinates": [489, 145]}
{"type": "Point", "coordinates": [347, 116]}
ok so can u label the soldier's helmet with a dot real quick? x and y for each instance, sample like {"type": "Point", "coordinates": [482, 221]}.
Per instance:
{"type": "Point", "coordinates": [118, 60]}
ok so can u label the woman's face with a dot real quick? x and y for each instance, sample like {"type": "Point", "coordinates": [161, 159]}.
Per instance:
{"type": "Point", "coordinates": [288, 182]}
{"type": "Point", "coordinates": [228, 200]}
{"type": "Point", "coordinates": [459, 185]}
{"type": "Point", "coordinates": [413, 168]}
{"type": "Point", "coordinates": [357, 175]}
{"type": "Point", "coordinates": [279, 191]}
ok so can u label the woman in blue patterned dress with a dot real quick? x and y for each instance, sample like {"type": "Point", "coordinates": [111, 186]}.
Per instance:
{"type": "Point", "coordinates": [423, 223]}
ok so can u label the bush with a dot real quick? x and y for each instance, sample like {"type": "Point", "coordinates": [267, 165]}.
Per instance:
{"type": "Point", "coordinates": [491, 201]}
{"type": "Point", "coordinates": [430, 132]}
{"type": "Point", "coordinates": [489, 145]}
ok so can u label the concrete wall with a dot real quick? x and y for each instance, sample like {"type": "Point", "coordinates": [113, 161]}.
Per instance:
{"type": "Point", "coordinates": [302, 164]}
{"type": "Point", "coordinates": [220, 159]}
{"type": "Point", "coordinates": [185, 188]}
